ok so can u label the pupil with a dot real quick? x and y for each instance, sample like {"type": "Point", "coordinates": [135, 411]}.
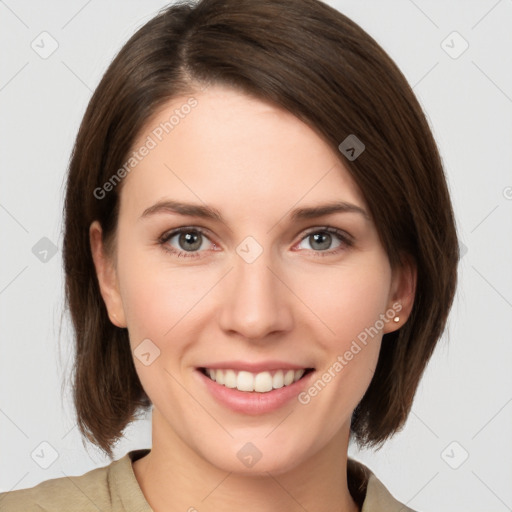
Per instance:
{"type": "Point", "coordinates": [192, 239]}
{"type": "Point", "coordinates": [323, 239]}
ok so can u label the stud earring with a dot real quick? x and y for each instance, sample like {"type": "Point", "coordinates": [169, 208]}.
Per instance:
{"type": "Point", "coordinates": [396, 319]}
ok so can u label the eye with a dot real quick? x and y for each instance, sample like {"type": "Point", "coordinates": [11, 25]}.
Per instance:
{"type": "Point", "coordinates": [320, 240]}
{"type": "Point", "coordinates": [190, 242]}
{"type": "Point", "coordinates": [185, 241]}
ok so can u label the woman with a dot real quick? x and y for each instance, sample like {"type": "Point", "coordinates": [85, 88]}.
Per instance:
{"type": "Point", "coordinates": [259, 245]}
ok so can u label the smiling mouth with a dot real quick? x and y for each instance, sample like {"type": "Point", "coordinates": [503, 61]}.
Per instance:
{"type": "Point", "coordinates": [261, 382]}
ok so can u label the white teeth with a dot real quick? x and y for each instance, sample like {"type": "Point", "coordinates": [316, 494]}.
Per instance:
{"type": "Point", "coordinates": [245, 381]}
{"type": "Point", "coordinates": [229, 378]}
{"type": "Point", "coordinates": [288, 377]}
{"type": "Point", "coordinates": [219, 376]}
{"type": "Point", "coordinates": [262, 382]}
{"type": "Point", "coordinates": [278, 380]}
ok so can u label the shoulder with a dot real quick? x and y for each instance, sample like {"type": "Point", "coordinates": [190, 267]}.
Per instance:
{"type": "Point", "coordinates": [98, 489]}
{"type": "Point", "coordinates": [375, 497]}
{"type": "Point", "coordinates": [74, 493]}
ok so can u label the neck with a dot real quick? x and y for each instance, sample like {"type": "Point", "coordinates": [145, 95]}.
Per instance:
{"type": "Point", "coordinates": [173, 477]}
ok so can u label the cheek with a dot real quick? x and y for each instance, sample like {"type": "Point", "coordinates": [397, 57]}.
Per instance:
{"type": "Point", "coordinates": [346, 311]}
{"type": "Point", "coordinates": [157, 298]}
{"type": "Point", "coordinates": [160, 306]}
{"type": "Point", "coordinates": [350, 306]}
{"type": "Point", "coordinates": [345, 301]}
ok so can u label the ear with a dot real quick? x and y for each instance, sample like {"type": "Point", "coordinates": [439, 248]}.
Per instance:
{"type": "Point", "coordinates": [107, 276]}
{"type": "Point", "coordinates": [402, 293]}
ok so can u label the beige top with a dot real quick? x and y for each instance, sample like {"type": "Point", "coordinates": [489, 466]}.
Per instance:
{"type": "Point", "coordinates": [114, 488]}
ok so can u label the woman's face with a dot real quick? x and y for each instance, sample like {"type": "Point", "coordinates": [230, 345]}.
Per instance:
{"type": "Point", "coordinates": [262, 285]}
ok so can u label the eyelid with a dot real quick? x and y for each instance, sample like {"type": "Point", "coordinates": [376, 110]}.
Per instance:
{"type": "Point", "coordinates": [167, 235]}
{"type": "Point", "coordinates": [329, 229]}
{"type": "Point", "coordinates": [175, 231]}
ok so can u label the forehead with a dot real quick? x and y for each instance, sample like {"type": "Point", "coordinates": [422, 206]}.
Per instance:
{"type": "Point", "coordinates": [226, 148]}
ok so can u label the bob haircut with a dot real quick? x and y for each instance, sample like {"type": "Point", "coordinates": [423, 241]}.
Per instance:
{"type": "Point", "coordinates": [309, 59]}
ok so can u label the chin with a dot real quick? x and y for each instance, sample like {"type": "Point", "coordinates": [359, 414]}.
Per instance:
{"type": "Point", "coordinates": [248, 459]}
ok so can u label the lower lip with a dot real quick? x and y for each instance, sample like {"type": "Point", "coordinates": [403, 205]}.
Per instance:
{"type": "Point", "coordinates": [252, 402]}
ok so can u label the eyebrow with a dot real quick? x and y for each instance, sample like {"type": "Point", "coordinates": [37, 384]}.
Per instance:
{"type": "Point", "coordinates": [208, 212]}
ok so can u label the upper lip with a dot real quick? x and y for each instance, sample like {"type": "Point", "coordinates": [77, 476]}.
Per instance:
{"type": "Point", "coordinates": [254, 367]}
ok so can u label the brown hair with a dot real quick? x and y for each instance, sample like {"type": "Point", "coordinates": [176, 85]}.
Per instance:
{"type": "Point", "coordinates": [314, 62]}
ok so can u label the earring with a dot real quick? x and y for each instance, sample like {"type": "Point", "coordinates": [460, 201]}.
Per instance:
{"type": "Point", "coordinates": [396, 319]}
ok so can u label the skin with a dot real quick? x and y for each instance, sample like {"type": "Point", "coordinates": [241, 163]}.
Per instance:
{"type": "Point", "coordinates": [296, 302]}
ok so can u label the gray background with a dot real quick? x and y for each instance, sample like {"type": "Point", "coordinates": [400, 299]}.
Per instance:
{"type": "Point", "coordinates": [463, 407]}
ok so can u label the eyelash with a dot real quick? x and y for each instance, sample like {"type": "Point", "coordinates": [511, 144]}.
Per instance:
{"type": "Point", "coordinates": [345, 239]}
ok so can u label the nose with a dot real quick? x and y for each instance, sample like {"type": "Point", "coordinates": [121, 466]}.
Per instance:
{"type": "Point", "coordinates": [255, 302]}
